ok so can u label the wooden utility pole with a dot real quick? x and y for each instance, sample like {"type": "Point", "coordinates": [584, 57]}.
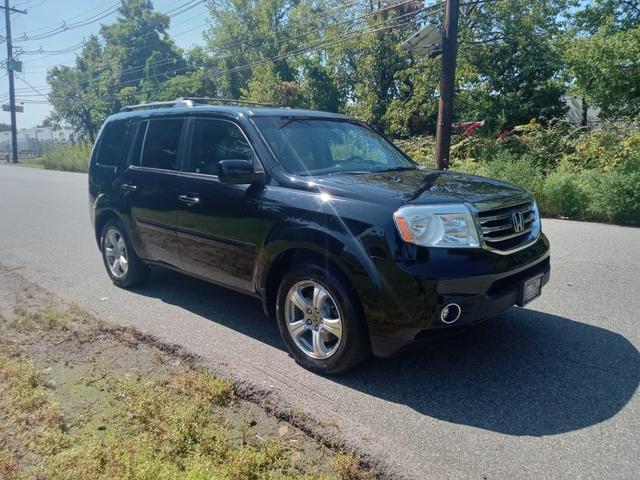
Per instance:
{"type": "Point", "coordinates": [10, 67]}
{"type": "Point", "coordinates": [447, 84]}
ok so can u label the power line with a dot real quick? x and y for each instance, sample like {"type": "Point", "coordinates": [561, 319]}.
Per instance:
{"type": "Point", "coordinates": [159, 63]}
{"type": "Point", "coordinates": [301, 50]}
{"type": "Point", "coordinates": [351, 22]}
{"type": "Point", "coordinates": [322, 44]}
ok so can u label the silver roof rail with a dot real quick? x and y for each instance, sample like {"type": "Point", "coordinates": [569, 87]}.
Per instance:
{"type": "Point", "coordinates": [179, 102]}
{"type": "Point", "coordinates": [193, 101]}
{"type": "Point", "coordinates": [227, 101]}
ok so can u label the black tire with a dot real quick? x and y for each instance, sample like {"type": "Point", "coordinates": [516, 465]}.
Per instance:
{"type": "Point", "coordinates": [136, 271]}
{"type": "Point", "coordinates": [354, 347]}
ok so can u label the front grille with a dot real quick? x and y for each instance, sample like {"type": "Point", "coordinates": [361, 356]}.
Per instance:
{"type": "Point", "coordinates": [509, 228]}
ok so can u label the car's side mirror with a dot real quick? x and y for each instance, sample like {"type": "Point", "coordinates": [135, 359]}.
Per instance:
{"type": "Point", "coordinates": [238, 172]}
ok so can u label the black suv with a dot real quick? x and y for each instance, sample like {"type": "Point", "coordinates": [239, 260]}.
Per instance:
{"type": "Point", "coordinates": [349, 244]}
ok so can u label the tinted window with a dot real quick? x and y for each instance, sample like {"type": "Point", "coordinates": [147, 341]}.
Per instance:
{"type": "Point", "coordinates": [115, 142]}
{"type": "Point", "coordinates": [161, 144]}
{"type": "Point", "coordinates": [216, 140]}
{"type": "Point", "coordinates": [322, 146]}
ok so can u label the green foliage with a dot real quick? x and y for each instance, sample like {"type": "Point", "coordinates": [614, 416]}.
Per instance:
{"type": "Point", "coordinates": [606, 70]}
{"type": "Point", "coordinates": [130, 62]}
{"type": "Point", "coordinates": [615, 197]}
{"type": "Point", "coordinates": [421, 149]}
{"type": "Point", "coordinates": [516, 61]}
{"type": "Point", "coordinates": [563, 195]}
{"type": "Point", "coordinates": [72, 158]}
{"type": "Point", "coordinates": [576, 174]}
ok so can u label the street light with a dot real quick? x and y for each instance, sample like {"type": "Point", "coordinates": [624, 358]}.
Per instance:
{"type": "Point", "coordinates": [427, 42]}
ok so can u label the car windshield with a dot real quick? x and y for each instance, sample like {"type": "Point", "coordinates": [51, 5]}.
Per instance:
{"type": "Point", "coordinates": [309, 146]}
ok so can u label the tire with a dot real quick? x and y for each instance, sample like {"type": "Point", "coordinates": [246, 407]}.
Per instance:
{"type": "Point", "coordinates": [128, 275]}
{"type": "Point", "coordinates": [344, 353]}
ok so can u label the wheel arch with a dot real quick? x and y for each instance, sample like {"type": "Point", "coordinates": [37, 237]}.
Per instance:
{"type": "Point", "coordinates": [101, 220]}
{"type": "Point", "coordinates": [340, 256]}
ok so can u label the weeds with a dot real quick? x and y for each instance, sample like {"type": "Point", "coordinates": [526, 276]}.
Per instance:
{"type": "Point", "coordinates": [71, 158]}
{"type": "Point", "coordinates": [94, 420]}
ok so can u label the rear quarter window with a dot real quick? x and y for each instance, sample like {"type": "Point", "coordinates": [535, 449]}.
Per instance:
{"type": "Point", "coordinates": [161, 144]}
{"type": "Point", "coordinates": [115, 143]}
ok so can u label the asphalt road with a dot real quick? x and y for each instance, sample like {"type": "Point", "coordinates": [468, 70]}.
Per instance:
{"type": "Point", "coordinates": [544, 392]}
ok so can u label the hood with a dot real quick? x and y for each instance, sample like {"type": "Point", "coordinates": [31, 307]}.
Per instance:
{"type": "Point", "coordinates": [425, 187]}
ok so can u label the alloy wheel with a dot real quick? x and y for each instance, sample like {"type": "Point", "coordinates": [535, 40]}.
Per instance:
{"type": "Point", "coordinates": [115, 251]}
{"type": "Point", "coordinates": [313, 319]}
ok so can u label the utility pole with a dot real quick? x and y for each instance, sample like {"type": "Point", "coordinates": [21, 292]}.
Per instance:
{"type": "Point", "coordinates": [447, 84]}
{"type": "Point", "coordinates": [10, 67]}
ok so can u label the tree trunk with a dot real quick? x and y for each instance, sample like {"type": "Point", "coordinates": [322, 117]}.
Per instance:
{"type": "Point", "coordinates": [584, 122]}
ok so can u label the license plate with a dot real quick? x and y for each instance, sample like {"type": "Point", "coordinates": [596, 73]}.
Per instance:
{"type": "Point", "coordinates": [531, 290]}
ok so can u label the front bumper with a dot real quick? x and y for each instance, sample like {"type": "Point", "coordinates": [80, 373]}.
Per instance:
{"type": "Point", "coordinates": [482, 286]}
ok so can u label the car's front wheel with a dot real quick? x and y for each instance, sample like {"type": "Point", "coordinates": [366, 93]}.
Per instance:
{"type": "Point", "coordinates": [123, 265]}
{"type": "Point", "coordinates": [320, 320]}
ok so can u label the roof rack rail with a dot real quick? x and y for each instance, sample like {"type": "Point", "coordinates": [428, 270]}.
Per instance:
{"type": "Point", "coordinates": [178, 102]}
{"type": "Point", "coordinates": [192, 101]}
{"type": "Point", "coordinates": [229, 101]}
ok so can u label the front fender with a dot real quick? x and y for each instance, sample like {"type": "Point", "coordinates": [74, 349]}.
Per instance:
{"type": "Point", "coordinates": [333, 231]}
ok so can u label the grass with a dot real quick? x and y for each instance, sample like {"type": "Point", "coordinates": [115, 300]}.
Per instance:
{"type": "Point", "coordinates": [32, 162]}
{"type": "Point", "coordinates": [81, 399]}
{"type": "Point", "coordinates": [71, 158]}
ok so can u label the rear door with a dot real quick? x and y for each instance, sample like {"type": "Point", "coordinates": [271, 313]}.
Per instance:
{"type": "Point", "coordinates": [219, 225]}
{"type": "Point", "coordinates": [151, 186]}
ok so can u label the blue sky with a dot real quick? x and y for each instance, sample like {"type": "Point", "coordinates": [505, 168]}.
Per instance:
{"type": "Point", "coordinates": [46, 15]}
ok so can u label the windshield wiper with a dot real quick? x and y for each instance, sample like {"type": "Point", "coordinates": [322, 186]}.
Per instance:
{"type": "Point", "coordinates": [347, 172]}
{"type": "Point", "coordinates": [395, 169]}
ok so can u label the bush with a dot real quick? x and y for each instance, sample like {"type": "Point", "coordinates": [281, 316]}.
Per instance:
{"type": "Point", "coordinates": [521, 171]}
{"type": "Point", "coordinates": [421, 149]}
{"type": "Point", "coordinates": [604, 150]}
{"type": "Point", "coordinates": [71, 158]}
{"type": "Point", "coordinates": [544, 147]}
{"type": "Point", "coordinates": [563, 195]}
{"type": "Point", "coordinates": [573, 173]}
{"type": "Point", "coordinates": [615, 197]}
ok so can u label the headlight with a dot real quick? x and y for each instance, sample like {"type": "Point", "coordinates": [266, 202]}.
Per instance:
{"type": "Point", "coordinates": [447, 226]}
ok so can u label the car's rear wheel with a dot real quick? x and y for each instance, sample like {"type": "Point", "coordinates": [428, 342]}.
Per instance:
{"type": "Point", "coordinates": [320, 320]}
{"type": "Point", "coordinates": [123, 265]}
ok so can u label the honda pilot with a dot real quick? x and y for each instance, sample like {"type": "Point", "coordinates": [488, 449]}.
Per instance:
{"type": "Point", "coordinates": [350, 245]}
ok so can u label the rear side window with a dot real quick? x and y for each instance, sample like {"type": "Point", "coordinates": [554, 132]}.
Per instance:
{"type": "Point", "coordinates": [161, 144]}
{"type": "Point", "coordinates": [115, 143]}
{"type": "Point", "coordinates": [216, 140]}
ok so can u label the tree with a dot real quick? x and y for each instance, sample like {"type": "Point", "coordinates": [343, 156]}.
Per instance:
{"type": "Point", "coordinates": [83, 95]}
{"type": "Point", "coordinates": [5, 127]}
{"type": "Point", "coordinates": [602, 55]}
{"type": "Point", "coordinates": [369, 61]}
{"type": "Point", "coordinates": [510, 68]}
{"type": "Point", "coordinates": [604, 69]}
{"type": "Point", "coordinates": [139, 42]}
{"type": "Point", "coordinates": [612, 14]}
{"type": "Point", "coordinates": [258, 52]}
{"type": "Point", "coordinates": [133, 61]}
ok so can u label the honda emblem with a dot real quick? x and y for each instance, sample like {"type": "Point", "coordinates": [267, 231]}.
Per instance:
{"type": "Point", "coordinates": [517, 218]}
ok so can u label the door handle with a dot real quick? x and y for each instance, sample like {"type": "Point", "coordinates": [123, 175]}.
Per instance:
{"type": "Point", "coordinates": [131, 188]}
{"type": "Point", "coordinates": [189, 199]}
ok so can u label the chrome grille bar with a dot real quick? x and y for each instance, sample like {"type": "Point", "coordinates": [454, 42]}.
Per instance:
{"type": "Point", "coordinates": [499, 230]}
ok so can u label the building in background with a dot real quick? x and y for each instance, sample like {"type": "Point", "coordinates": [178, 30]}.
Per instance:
{"type": "Point", "coordinates": [33, 141]}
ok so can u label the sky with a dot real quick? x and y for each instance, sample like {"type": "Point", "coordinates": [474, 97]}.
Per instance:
{"type": "Point", "coordinates": [43, 16]}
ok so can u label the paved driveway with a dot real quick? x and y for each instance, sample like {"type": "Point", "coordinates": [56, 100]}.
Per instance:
{"type": "Point", "coordinates": [543, 392]}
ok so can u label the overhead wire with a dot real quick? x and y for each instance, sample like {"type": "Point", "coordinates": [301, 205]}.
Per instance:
{"type": "Point", "coordinates": [318, 45]}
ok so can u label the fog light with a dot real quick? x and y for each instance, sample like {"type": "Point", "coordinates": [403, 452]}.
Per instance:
{"type": "Point", "coordinates": [451, 313]}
